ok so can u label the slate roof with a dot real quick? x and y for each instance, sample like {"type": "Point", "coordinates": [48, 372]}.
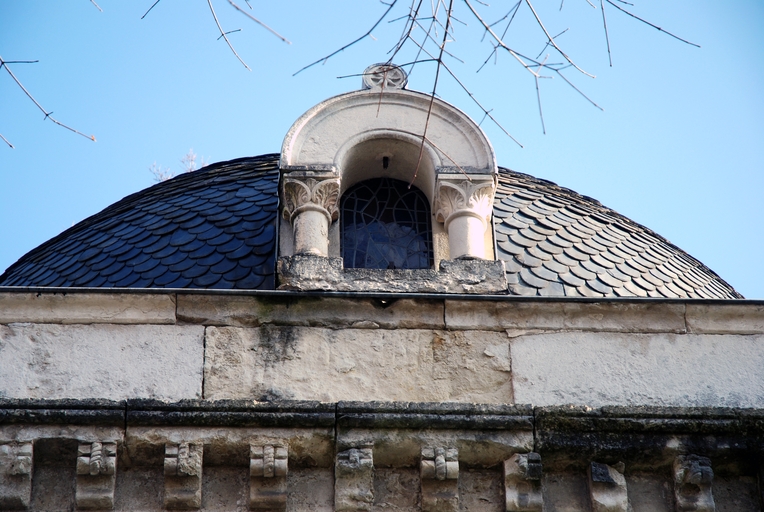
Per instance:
{"type": "Point", "coordinates": [216, 228]}
{"type": "Point", "coordinates": [212, 228]}
{"type": "Point", "coordinates": [556, 242]}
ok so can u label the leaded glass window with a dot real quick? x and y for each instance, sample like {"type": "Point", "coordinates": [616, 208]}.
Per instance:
{"type": "Point", "coordinates": [386, 225]}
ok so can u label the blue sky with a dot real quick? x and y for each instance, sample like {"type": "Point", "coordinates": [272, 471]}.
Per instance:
{"type": "Point", "coordinates": [679, 147]}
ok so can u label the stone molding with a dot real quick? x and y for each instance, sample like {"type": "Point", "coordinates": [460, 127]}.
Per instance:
{"type": "Point", "coordinates": [16, 469]}
{"type": "Point", "coordinates": [439, 474]}
{"type": "Point", "coordinates": [268, 466]}
{"type": "Point", "coordinates": [183, 476]}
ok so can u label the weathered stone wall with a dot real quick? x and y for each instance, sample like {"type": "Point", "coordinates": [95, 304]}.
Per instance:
{"type": "Point", "coordinates": [302, 347]}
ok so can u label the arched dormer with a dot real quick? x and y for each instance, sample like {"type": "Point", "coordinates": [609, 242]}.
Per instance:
{"type": "Point", "coordinates": [378, 132]}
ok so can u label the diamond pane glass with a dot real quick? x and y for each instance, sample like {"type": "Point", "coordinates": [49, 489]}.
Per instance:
{"type": "Point", "coordinates": [385, 225]}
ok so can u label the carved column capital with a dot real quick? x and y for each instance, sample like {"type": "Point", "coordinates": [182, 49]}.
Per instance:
{"type": "Point", "coordinates": [607, 488]}
{"type": "Point", "coordinates": [457, 197]}
{"type": "Point", "coordinates": [354, 479]}
{"type": "Point", "coordinates": [302, 193]}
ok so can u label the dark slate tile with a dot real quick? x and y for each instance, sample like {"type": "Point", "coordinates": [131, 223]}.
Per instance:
{"type": "Point", "coordinates": [207, 280]}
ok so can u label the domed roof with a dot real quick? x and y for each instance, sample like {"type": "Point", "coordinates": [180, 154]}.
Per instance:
{"type": "Point", "coordinates": [216, 228]}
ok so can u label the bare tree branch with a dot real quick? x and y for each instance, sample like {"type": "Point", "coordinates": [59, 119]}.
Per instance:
{"type": "Point", "coordinates": [607, 36]}
{"type": "Point", "coordinates": [551, 39]}
{"type": "Point", "coordinates": [266, 27]}
{"type": "Point", "coordinates": [7, 142]}
{"type": "Point", "coordinates": [651, 24]}
{"type": "Point", "coordinates": [324, 59]}
{"type": "Point", "coordinates": [29, 95]}
{"type": "Point", "coordinates": [222, 33]}
{"type": "Point", "coordinates": [97, 6]}
{"type": "Point", "coordinates": [152, 6]}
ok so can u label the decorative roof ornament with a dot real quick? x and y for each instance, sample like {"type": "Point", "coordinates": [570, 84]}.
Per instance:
{"type": "Point", "coordinates": [384, 76]}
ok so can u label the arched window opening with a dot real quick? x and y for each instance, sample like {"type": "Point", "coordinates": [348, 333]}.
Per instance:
{"type": "Point", "coordinates": [385, 225]}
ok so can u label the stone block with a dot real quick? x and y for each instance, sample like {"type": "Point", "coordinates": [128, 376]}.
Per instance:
{"type": "Point", "coordinates": [96, 475]}
{"type": "Point", "coordinates": [101, 360]}
{"type": "Point", "coordinates": [504, 314]}
{"type": "Point", "coordinates": [625, 316]}
{"type": "Point", "coordinates": [596, 369]}
{"type": "Point", "coordinates": [307, 363]}
{"type": "Point", "coordinates": [248, 311]}
{"type": "Point", "coordinates": [15, 475]}
{"type": "Point", "coordinates": [87, 308]}
{"type": "Point", "coordinates": [354, 479]}
{"type": "Point", "coordinates": [725, 318]}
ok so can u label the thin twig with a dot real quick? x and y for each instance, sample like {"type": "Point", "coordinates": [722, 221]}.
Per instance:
{"type": "Point", "coordinates": [97, 6]}
{"type": "Point", "coordinates": [547, 43]}
{"type": "Point", "coordinates": [6, 141]}
{"type": "Point", "coordinates": [266, 27]}
{"type": "Point", "coordinates": [607, 36]}
{"type": "Point", "coordinates": [652, 25]}
{"type": "Point", "coordinates": [551, 40]}
{"type": "Point", "coordinates": [434, 87]}
{"type": "Point", "coordinates": [47, 114]}
{"type": "Point", "coordinates": [538, 99]}
{"type": "Point", "coordinates": [152, 6]}
{"type": "Point", "coordinates": [324, 59]}
{"type": "Point", "coordinates": [229, 32]}
{"type": "Point", "coordinates": [498, 39]}
{"type": "Point", "coordinates": [212, 9]}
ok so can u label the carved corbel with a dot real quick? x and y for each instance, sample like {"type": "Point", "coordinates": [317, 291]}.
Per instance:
{"type": "Point", "coordinates": [607, 488]}
{"type": "Point", "coordinates": [96, 475]}
{"type": "Point", "coordinates": [310, 204]}
{"type": "Point", "coordinates": [522, 483]}
{"type": "Point", "coordinates": [693, 477]}
{"type": "Point", "coordinates": [267, 477]}
{"type": "Point", "coordinates": [183, 476]}
{"type": "Point", "coordinates": [465, 207]}
{"type": "Point", "coordinates": [354, 479]}
{"type": "Point", "coordinates": [15, 475]}
{"type": "Point", "coordinates": [439, 471]}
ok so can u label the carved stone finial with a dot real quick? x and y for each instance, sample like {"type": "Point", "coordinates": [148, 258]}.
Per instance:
{"type": "Point", "coordinates": [607, 488]}
{"type": "Point", "coordinates": [15, 475]}
{"type": "Point", "coordinates": [384, 76]}
{"type": "Point", "coordinates": [439, 470]}
{"type": "Point", "coordinates": [267, 477]}
{"type": "Point", "coordinates": [96, 475]}
{"type": "Point", "coordinates": [354, 479]}
{"type": "Point", "coordinates": [522, 483]}
{"type": "Point", "coordinates": [183, 476]}
{"type": "Point", "coordinates": [693, 477]}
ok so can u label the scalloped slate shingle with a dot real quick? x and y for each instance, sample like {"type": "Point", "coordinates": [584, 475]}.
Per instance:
{"type": "Point", "coordinates": [212, 228]}
{"type": "Point", "coordinates": [556, 242]}
{"type": "Point", "coordinates": [216, 228]}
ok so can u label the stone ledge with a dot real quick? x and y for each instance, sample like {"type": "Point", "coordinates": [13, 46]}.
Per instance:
{"type": "Point", "coordinates": [55, 412]}
{"type": "Point", "coordinates": [248, 311]}
{"type": "Point", "coordinates": [725, 318]}
{"type": "Point", "coordinates": [562, 315]}
{"type": "Point", "coordinates": [307, 272]}
{"type": "Point", "coordinates": [230, 413]}
{"type": "Point", "coordinates": [87, 308]}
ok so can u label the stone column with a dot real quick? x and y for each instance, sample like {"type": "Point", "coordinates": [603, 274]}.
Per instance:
{"type": "Point", "coordinates": [310, 204]}
{"type": "Point", "coordinates": [464, 206]}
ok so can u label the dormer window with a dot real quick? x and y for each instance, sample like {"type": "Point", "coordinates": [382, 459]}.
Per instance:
{"type": "Point", "coordinates": [385, 224]}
